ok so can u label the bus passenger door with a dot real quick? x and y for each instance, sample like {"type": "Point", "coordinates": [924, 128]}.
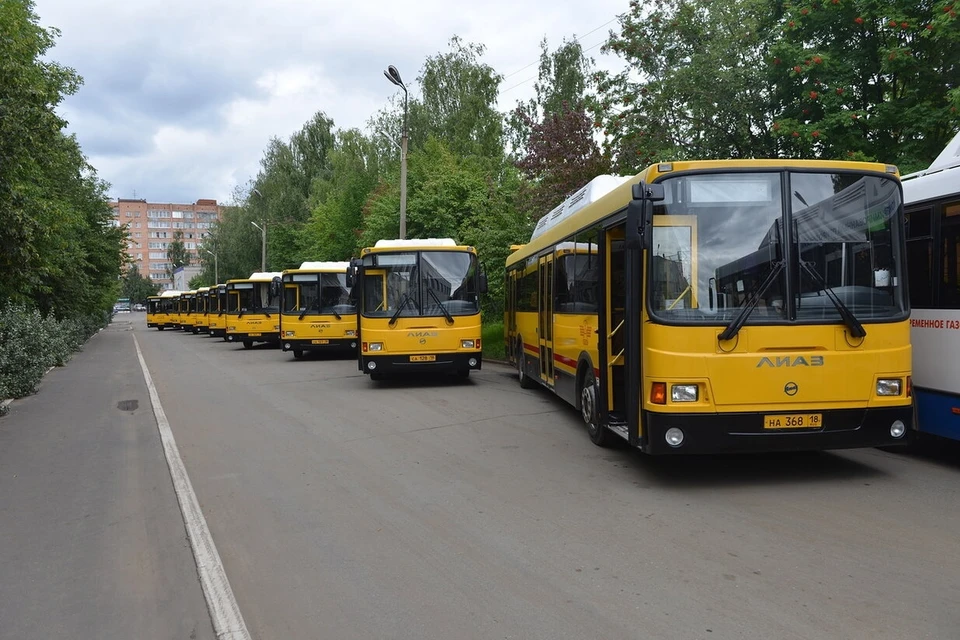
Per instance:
{"type": "Point", "coordinates": [615, 298]}
{"type": "Point", "coordinates": [545, 331]}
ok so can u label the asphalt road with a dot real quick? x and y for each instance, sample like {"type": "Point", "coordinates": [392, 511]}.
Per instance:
{"type": "Point", "coordinates": [435, 508]}
{"type": "Point", "coordinates": [92, 543]}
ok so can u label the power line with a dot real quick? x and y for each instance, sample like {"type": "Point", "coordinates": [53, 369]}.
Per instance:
{"type": "Point", "coordinates": [523, 82]}
{"type": "Point", "coordinates": [575, 39]}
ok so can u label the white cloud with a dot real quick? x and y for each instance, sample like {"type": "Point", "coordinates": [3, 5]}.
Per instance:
{"type": "Point", "coordinates": [181, 96]}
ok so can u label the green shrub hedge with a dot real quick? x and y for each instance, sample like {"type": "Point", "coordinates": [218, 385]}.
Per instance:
{"type": "Point", "coordinates": [31, 343]}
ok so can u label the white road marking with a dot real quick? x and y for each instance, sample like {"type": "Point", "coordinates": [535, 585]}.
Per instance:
{"type": "Point", "coordinates": [227, 621]}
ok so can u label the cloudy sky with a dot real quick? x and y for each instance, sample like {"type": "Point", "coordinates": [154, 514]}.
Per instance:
{"type": "Point", "coordinates": [180, 97]}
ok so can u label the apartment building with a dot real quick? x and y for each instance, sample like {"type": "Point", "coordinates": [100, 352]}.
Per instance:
{"type": "Point", "coordinates": [150, 228]}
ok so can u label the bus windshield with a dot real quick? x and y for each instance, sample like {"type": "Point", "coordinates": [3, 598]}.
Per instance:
{"type": "Point", "coordinates": [253, 297]}
{"type": "Point", "coordinates": [720, 240]}
{"type": "Point", "coordinates": [317, 293]}
{"type": "Point", "coordinates": [420, 283]}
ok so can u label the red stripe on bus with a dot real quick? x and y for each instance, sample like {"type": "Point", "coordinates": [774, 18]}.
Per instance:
{"type": "Point", "coordinates": [532, 347]}
{"type": "Point", "coordinates": [565, 360]}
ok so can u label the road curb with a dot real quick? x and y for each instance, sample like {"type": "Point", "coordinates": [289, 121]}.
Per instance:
{"type": "Point", "coordinates": [503, 362]}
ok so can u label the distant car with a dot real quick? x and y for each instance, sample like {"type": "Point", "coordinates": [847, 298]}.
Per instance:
{"type": "Point", "coordinates": [139, 307]}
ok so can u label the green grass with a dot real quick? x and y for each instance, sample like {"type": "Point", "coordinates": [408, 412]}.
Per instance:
{"type": "Point", "coordinates": [492, 345]}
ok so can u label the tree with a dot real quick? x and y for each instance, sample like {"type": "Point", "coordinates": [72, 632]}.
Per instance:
{"type": "Point", "coordinates": [876, 80]}
{"type": "Point", "coordinates": [337, 213]}
{"type": "Point", "coordinates": [694, 86]}
{"type": "Point", "coordinates": [562, 84]}
{"type": "Point", "coordinates": [198, 281]}
{"type": "Point", "coordinates": [177, 254]}
{"type": "Point", "coordinates": [281, 193]}
{"type": "Point", "coordinates": [561, 157]}
{"type": "Point", "coordinates": [459, 102]}
{"type": "Point", "coordinates": [137, 287]}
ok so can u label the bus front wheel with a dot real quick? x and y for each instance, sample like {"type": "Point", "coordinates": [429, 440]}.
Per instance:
{"type": "Point", "coordinates": [599, 434]}
{"type": "Point", "coordinates": [297, 353]}
{"type": "Point", "coordinates": [248, 344]}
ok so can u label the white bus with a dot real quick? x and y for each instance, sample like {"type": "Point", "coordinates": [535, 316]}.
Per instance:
{"type": "Point", "coordinates": [932, 204]}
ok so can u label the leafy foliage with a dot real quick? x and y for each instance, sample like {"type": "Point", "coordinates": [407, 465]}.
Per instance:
{"type": "Point", "coordinates": [137, 287]}
{"type": "Point", "coordinates": [59, 250]}
{"type": "Point", "coordinates": [177, 254]}
{"type": "Point", "coordinates": [874, 80]}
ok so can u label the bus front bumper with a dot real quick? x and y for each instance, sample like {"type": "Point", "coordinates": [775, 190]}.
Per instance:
{"type": "Point", "coordinates": [318, 344]}
{"type": "Point", "coordinates": [745, 432]}
{"type": "Point", "coordinates": [443, 362]}
{"type": "Point", "coordinates": [218, 333]}
{"type": "Point", "coordinates": [267, 336]}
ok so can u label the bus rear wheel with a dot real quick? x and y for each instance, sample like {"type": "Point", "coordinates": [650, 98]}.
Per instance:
{"type": "Point", "coordinates": [599, 434]}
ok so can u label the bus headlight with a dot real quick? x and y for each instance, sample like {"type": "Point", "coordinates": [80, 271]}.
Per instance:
{"type": "Point", "coordinates": [350, 333]}
{"type": "Point", "coordinates": [375, 346]}
{"type": "Point", "coordinates": [684, 393]}
{"type": "Point", "coordinates": [889, 386]}
{"type": "Point", "coordinates": [276, 327]}
{"type": "Point", "coordinates": [231, 328]}
{"type": "Point", "coordinates": [289, 334]}
{"type": "Point", "coordinates": [467, 344]}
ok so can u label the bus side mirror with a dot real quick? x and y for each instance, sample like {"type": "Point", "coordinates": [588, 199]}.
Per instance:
{"type": "Point", "coordinates": [640, 213]}
{"type": "Point", "coordinates": [483, 282]}
{"type": "Point", "coordinates": [351, 273]}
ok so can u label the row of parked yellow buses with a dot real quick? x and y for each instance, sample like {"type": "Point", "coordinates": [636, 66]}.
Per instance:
{"type": "Point", "coordinates": [404, 305]}
{"type": "Point", "coordinates": [698, 307]}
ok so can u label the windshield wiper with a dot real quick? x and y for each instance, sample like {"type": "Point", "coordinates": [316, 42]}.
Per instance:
{"type": "Point", "coordinates": [856, 328]}
{"type": "Point", "coordinates": [396, 314]}
{"type": "Point", "coordinates": [242, 310]}
{"type": "Point", "coordinates": [737, 323]}
{"type": "Point", "coordinates": [315, 303]}
{"type": "Point", "coordinates": [446, 314]}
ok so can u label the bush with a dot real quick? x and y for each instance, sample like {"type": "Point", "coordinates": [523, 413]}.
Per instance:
{"type": "Point", "coordinates": [31, 343]}
{"type": "Point", "coordinates": [493, 345]}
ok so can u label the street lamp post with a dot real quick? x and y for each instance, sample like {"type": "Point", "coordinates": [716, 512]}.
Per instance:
{"type": "Point", "coordinates": [216, 266]}
{"type": "Point", "coordinates": [263, 245]}
{"type": "Point", "coordinates": [394, 76]}
{"type": "Point", "coordinates": [263, 237]}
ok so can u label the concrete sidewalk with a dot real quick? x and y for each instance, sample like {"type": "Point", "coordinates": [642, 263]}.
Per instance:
{"type": "Point", "coordinates": [92, 542]}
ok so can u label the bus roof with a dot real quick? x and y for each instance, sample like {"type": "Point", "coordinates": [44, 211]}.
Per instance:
{"type": "Point", "coordinates": [170, 293]}
{"type": "Point", "coordinates": [938, 180]}
{"type": "Point", "coordinates": [615, 192]}
{"type": "Point", "coordinates": [259, 276]}
{"type": "Point", "coordinates": [423, 242]}
{"type": "Point", "coordinates": [203, 289]}
{"type": "Point", "coordinates": [336, 267]}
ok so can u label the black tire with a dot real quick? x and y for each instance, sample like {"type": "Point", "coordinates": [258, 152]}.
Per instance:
{"type": "Point", "coordinates": [298, 353]}
{"type": "Point", "coordinates": [248, 344]}
{"type": "Point", "coordinates": [599, 435]}
{"type": "Point", "coordinates": [376, 376]}
{"type": "Point", "coordinates": [159, 328]}
{"type": "Point", "coordinates": [526, 382]}
{"type": "Point", "coordinates": [463, 374]}
{"type": "Point", "coordinates": [196, 330]}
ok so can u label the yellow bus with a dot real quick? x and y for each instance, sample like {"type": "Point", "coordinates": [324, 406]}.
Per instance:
{"type": "Point", "coordinates": [216, 318]}
{"type": "Point", "coordinates": [253, 308]}
{"type": "Point", "coordinates": [419, 307]}
{"type": "Point", "coordinates": [722, 306]}
{"type": "Point", "coordinates": [318, 312]}
{"type": "Point", "coordinates": [188, 309]}
{"type": "Point", "coordinates": [155, 314]}
{"type": "Point", "coordinates": [201, 321]}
